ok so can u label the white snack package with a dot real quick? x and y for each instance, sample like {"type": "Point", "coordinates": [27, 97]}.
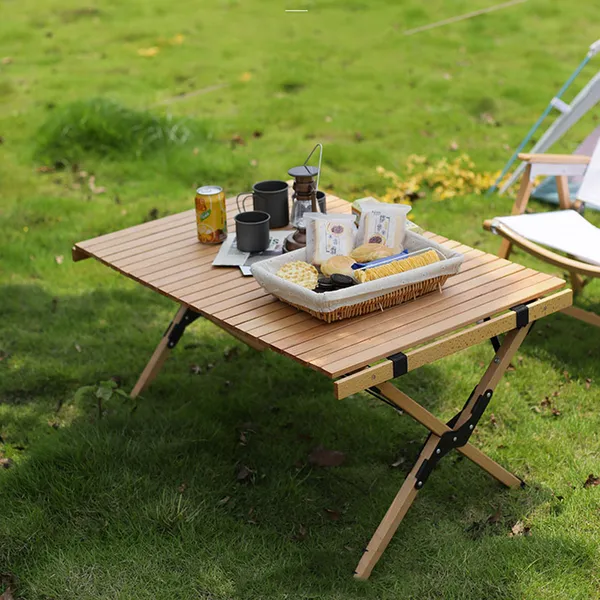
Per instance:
{"type": "Point", "coordinates": [382, 223]}
{"type": "Point", "coordinates": [328, 235]}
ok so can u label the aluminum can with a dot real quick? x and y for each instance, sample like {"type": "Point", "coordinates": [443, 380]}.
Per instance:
{"type": "Point", "coordinates": [211, 214]}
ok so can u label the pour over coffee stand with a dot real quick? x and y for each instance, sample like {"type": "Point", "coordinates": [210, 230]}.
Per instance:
{"type": "Point", "coordinates": [304, 198]}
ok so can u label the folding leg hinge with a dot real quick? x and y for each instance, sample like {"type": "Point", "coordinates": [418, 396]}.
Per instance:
{"type": "Point", "coordinates": [495, 343]}
{"type": "Point", "coordinates": [177, 330]}
{"type": "Point", "coordinates": [495, 340]}
{"type": "Point", "coordinates": [453, 439]}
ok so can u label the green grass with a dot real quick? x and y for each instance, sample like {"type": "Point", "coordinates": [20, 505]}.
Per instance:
{"type": "Point", "coordinates": [133, 504]}
{"type": "Point", "coordinates": [105, 129]}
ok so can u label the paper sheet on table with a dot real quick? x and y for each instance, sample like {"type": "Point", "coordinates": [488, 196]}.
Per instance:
{"type": "Point", "coordinates": [230, 256]}
{"type": "Point", "coordinates": [277, 238]}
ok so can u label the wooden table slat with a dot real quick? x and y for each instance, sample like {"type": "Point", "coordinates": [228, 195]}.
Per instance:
{"type": "Point", "coordinates": [190, 274]}
{"type": "Point", "coordinates": [240, 309]}
{"type": "Point", "coordinates": [160, 246]}
{"type": "Point", "coordinates": [253, 294]}
{"type": "Point", "coordinates": [177, 258]}
{"type": "Point", "coordinates": [186, 231]}
{"type": "Point", "coordinates": [138, 237]}
{"type": "Point", "coordinates": [97, 243]}
{"type": "Point", "coordinates": [209, 299]}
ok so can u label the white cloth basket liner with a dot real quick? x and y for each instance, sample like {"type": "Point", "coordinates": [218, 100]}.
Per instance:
{"type": "Point", "coordinates": [265, 273]}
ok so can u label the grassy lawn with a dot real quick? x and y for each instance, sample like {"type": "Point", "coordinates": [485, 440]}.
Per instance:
{"type": "Point", "coordinates": [205, 490]}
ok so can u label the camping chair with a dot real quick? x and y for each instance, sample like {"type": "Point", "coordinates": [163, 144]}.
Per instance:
{"type": "Point", "coordinates": [564, 230]}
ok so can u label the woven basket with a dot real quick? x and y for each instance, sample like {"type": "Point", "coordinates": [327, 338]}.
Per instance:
{"type": "Point", "coordinates": [367, 297]}
{"type": "Point", "coordinates": [405, 294]}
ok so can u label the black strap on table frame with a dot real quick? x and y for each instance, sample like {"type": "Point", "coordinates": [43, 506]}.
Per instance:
{"type": "Point", "coordinates": [522, 311]}
{"type": "Point", "coordinates": [176, 332]}
{"type": "Point", "coordinates": [400, 363]}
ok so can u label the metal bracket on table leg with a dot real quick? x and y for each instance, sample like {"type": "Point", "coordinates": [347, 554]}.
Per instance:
{"type": "Point", "coordinates": [495, 340]}
{"type": "Point", "coordinates": [522, 311]}
{"type": "Point", "coordinates": [374, 391]}
{"type": "Point", "coordinates": [453, 439]}
{"type": "Point", "coordinates": [177, 330]}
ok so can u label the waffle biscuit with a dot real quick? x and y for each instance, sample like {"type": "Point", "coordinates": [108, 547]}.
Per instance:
{"type": "Point", "coordinates": [300, 273]}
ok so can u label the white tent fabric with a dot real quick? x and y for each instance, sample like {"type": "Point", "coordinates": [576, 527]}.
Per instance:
{"type": "Point", "coordinates": [563, 230]}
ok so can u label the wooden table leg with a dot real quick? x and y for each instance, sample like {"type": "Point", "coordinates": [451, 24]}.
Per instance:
{"type": "Point", "coordinates": [159, 356]}
{"type": "Point", "coordinates": [390, 523]}
{"type": "Point", "coordinates": [510, 344]}
{"type": "Point", "coordinates": [412, 484]}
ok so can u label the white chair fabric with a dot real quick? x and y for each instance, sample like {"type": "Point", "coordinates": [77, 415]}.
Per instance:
{"type": "Point", "coordinates": [563, 230]}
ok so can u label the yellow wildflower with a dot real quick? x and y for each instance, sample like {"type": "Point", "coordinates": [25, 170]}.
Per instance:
{"type": "Point", "coordinates": [149, 52]}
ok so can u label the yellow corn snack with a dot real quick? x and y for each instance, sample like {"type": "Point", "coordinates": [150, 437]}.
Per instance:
{"type": "Point", "coordinates": [397, 266]}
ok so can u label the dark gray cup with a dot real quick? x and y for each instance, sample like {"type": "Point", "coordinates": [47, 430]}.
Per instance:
{"type": "Point", "coordinates": [271, 197]}
{"type": "Point", "coordinates": [252, 231]}
{"type": "Point", "coordinates": [322, 200]}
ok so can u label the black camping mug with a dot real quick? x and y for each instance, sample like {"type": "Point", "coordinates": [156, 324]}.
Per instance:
{"type": "Point", "coordinates": [271, 197]}
{"type": "Point", "coordinates": [322, 200]}
{"type": "Point", "coordinates": [252, 231]}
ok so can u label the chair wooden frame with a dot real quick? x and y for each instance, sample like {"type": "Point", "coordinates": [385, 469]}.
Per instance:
{"type": "Point", "coordinates": [577, 269]}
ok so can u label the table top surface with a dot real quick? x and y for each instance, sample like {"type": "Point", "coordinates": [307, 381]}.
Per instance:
{"type": "Point", "coordinates": [165, 255]}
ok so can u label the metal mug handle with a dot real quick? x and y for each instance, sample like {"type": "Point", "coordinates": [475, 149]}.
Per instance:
{"type": "Point", "coordinates": [237, 200]}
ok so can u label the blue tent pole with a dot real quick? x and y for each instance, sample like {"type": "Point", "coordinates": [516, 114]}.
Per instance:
{"type": "Point", "coordinates": [536, 125]}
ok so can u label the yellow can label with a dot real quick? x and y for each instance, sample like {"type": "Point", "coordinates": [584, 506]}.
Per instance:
{"type": "Point", "coordinates": [211, 215]}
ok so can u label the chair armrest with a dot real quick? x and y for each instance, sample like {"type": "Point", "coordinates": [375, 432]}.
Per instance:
{"type": "Point", "coordinates": [556, 159]}
{"type": "Point", "coordinates": [542, 253]}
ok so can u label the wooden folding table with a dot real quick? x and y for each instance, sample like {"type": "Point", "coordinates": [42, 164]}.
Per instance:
{"type": "Point", "coordinates": [488, 298]}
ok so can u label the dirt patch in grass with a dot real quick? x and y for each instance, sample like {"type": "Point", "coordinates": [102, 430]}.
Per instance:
{"type": "Point", "coordinates": [77, 14]}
